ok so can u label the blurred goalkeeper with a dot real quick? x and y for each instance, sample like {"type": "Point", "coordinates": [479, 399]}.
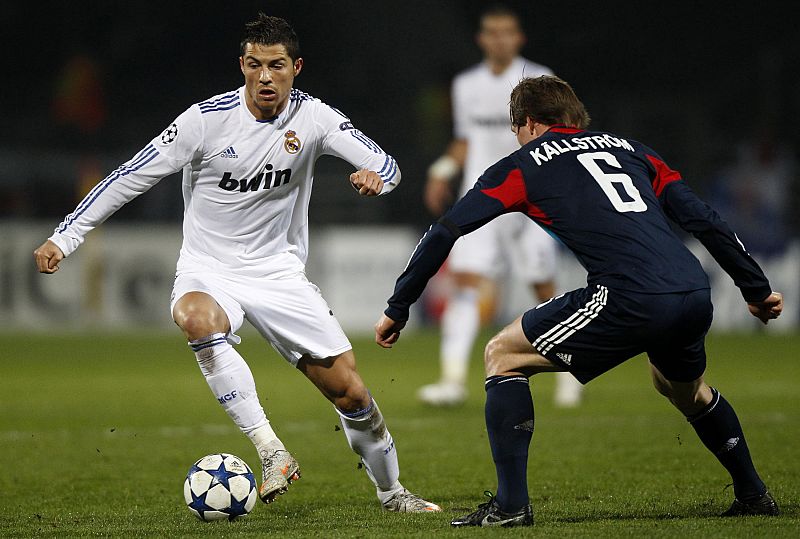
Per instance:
{"type": "Point", "coordinates": [247, 158]}
{"type": "Point", "coordinates": [608, 199]}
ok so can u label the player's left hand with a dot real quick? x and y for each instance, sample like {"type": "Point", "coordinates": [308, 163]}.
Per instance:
{"type": "Point", "coordinates": [768, 309]}
{"type": "Point", "coordinates": [367, 182]}
{"type": "Point", "coordinates": [387, 331]}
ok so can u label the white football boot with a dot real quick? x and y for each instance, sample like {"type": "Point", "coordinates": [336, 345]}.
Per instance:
{"type": "Point", "coordinates": [443, 394]}
{"type": "Point", "coordinates": [279, 469]}
{"type": "Point", "coordinates": [406, 502]}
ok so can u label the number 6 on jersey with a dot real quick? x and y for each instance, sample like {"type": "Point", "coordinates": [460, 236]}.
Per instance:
{"type": "Point", "coordinates": [606, 181]}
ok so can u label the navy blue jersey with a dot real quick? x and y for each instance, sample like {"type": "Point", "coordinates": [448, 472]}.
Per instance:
{"type": "Point", "coordinates": [607, 199]}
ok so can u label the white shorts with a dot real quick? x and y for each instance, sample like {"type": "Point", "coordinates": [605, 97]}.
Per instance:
{"type": "Point", "coordinates": [511, 242]}
{"type": "Point", "coordinates": [290, 312]}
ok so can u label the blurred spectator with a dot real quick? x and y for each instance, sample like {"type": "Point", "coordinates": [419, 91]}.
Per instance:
{"type": "Point", "coordinates": [754, 193]}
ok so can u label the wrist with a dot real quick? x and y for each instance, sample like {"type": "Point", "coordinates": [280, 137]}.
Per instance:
{"type": "Point", "coordinates": [445, 168]}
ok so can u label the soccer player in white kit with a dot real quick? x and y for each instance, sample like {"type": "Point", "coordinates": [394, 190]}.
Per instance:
{"type": "Point", "coordinates": [480, 118]}
{"type": "Point", "coordinates": [247, 158]}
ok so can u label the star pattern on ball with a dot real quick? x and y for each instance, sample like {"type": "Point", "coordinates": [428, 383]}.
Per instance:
{"type": "Point", "coordinates": [223, 494]}
{"type": "Point", "coordinates": [199, 504]}
{"type": "Point", "coordinates": [220, 476]}
{"type": "Point", "coordinates": [237, 508]}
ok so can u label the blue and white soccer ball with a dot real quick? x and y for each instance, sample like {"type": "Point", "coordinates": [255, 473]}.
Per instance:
{"type": "Point", "coordinates": [220, 486]}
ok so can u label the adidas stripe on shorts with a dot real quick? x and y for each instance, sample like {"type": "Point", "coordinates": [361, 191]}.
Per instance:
{"type": "Point", "coordinates": [592, 330]}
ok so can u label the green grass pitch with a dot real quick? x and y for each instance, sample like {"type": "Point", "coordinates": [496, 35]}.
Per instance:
{"type": "Point", "coordinates": [97, 433]}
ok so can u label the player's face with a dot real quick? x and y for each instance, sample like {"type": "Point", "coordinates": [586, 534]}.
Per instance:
{"type": "Point", "coordinates": [500, 38]}
{"type": "Point", "coordinates": [268, 77]}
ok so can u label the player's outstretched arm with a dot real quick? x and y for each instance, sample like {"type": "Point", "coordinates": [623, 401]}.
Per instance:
{"type": "Point", "coordinates": [769, 309]}
{"type": "Point", "coordinates": [695, 216]}
{"type": "Point", "coordinates": [47, 257]}
{"type": "Point", "coordinates": [367, 182]}
{"type": "Point", "coordinates": [387, 331]}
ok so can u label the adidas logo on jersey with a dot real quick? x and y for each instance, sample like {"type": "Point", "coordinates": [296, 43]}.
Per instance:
{"type": "Point", "coordinates": [230, 153]}
{"type": "Point", "coordinates": [566, 358]}
{"type": "Point", "coordinates": [270, 178]}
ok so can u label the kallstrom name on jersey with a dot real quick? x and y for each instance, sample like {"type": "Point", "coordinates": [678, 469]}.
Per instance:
{"type": "Point", "coordinates": [269, 179]}
{"type": "Point", "coordinates": [551, 148]}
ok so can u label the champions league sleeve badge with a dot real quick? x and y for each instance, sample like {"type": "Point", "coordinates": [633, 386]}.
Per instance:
{"type": "Point", "coordinates": [292, 143]}
{"type": "Point", "coordinates": [169, 135]}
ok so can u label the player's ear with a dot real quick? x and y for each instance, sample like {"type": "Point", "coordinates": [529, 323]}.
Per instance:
{"type": "Point", "coordinates": [298, 66]}
{"type": "Point", "coordinates": [241, 64]}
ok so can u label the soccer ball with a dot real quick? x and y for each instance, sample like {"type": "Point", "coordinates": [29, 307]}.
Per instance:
{"type": "Point", "coordinates": [220, 486]}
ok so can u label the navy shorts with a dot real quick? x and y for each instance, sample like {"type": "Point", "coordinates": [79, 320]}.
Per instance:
{"type": "Point", "coordinates": [592, 330]}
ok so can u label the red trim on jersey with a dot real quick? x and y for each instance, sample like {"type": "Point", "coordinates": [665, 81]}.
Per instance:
{"type": "Point", "coordinates": [513, 195]}
{"type": "Point", "coordinates": [664, 175]}
{"type": "Point", "coordinates": [565, 129]}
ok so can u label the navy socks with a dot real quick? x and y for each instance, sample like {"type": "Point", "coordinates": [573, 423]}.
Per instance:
{"type": "Point", "coordinates": [509, 423]}
{"type": "Point", "coordinates": [720, 431]}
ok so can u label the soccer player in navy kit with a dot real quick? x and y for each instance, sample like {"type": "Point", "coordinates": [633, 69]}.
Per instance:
{"type": "Point", "coordinates": [607, 199]}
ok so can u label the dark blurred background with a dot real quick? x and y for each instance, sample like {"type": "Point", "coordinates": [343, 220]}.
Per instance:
{"type": "Point", "coordinates": [712, 86]}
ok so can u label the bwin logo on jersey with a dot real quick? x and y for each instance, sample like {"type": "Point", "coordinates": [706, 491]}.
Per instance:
{"type": "Point", "coordinates": [270, 178]}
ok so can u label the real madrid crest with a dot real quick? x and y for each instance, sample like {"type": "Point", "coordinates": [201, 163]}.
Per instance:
{"type": "Point", "coordinates": [292, 143]}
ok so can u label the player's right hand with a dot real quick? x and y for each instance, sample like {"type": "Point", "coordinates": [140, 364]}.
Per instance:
{"type": "Point", "coordinates": [47, 257]}
{"type": "Point", "coordinates": [768, 309]}
{"type": "Point", "coordinates": [387, 331]}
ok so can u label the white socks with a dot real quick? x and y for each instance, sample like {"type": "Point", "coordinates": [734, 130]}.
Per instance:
{"type": "Point", "coordinates": [568, 391]}
{"type": "Point", "coordinates": [460, 324]}
{"type": "Point", "coordinates": [367, 435]}
{"type": "Point", "coordinates": [232, 383]}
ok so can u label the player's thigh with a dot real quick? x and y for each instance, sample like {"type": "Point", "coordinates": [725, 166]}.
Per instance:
{"type": "Point", "coordinates": [510, 352]}
{"type": "Point", "coordinates": [200, 305]}
{"type": "Point", "coordinates": [478, 253]}
{"type": "Point", "coordinates": [294, 318]}
{"type": "Point", "coordinates": [587, 331]}
{"type": "Point", "coordinates": [530, 250]}
{"type": "Point", "coordinates": [677, 349]}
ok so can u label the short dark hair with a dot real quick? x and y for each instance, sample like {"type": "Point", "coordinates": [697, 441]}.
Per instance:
{"type": "Point", "coordinates": [547, 100]}
{"type": "Point", "coordinates": [267, 30]}
{"type": "Point", "coordinates": [499, 10]}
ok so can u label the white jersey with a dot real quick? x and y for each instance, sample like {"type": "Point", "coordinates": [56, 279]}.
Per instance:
{"type": "Point", "coordinates": [481, 117]}
{"type": "Point", "coordinates": [246, 182]}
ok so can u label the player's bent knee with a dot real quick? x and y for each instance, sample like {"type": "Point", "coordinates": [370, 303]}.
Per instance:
{"type": "Point", "coordinates": [197, 321]}
{"type": "Point", "coordinates": [352, 398]}
{"type": "Point", "coordinates": [495, 357]}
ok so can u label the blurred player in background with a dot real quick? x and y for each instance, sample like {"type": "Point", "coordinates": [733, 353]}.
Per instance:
{"type": "Point", "coordinates": [512, 242]}
{"type": "Point", "coordinates": [248, 159]}
{"type": "Point", "coordinates": [608, 200]}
